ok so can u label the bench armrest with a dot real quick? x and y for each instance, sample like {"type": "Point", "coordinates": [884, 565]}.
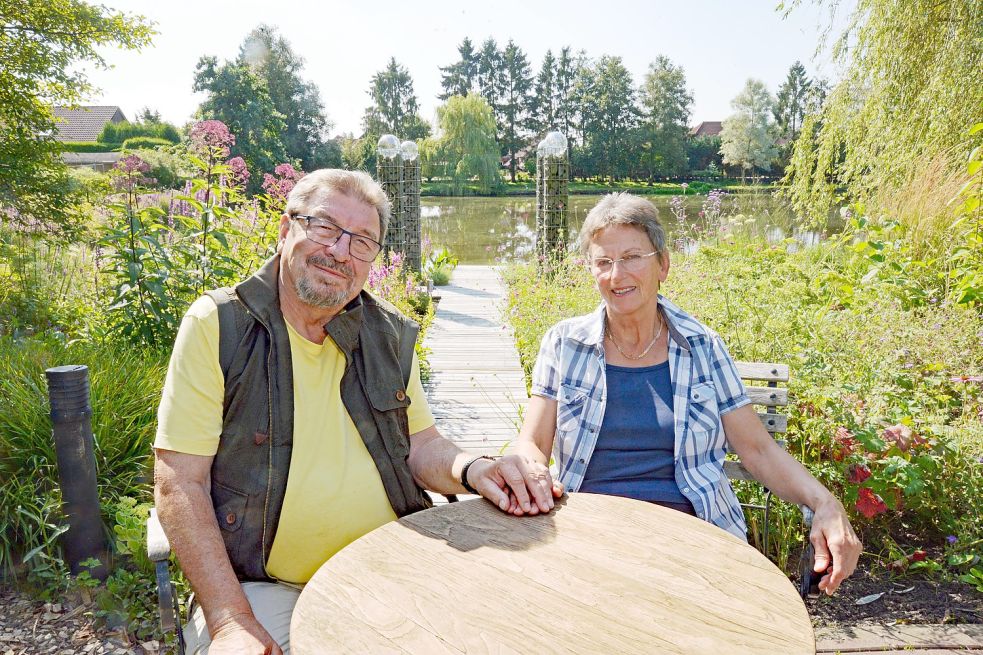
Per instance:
{"type": "Point", "coordinates": [158, 547]}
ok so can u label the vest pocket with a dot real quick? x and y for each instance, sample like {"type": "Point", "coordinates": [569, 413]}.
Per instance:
{"type": "Point", "coordinates": [230, 507]}
{"type": "Point", "coordinates": [390, 406]}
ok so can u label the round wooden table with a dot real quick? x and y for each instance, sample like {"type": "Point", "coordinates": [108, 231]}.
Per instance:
{"type": "Point", "coordinates": [598, 574]}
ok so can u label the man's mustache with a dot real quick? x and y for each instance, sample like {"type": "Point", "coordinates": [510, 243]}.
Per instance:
{"type": "Point", "coordinates": [329, 262]}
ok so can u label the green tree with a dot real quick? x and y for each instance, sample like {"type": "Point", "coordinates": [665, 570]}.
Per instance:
{"type": "Point", "coordinates": [305, 139]}
{"type": "Point", "coordinates": [394, 108]}
{"type": "Point", "coordinates": [909, 92]}
{"type": "Point", "coordinates": [666, 105]}
{"type": "Point", "coordinates": [748, 136]}
{"type": "Point", "coordinates": [44, 50]}
{"type": "Point", "coordinates": [542, 109]}
{"type": "Point", "coordinates": [792, 101]}
{"type": "Point", "coordinates": [238, 97]}
{"type": "Point", "coordinates": [488, 75]}
{"type": "Point", "coordinates": [460, 78]}
{"type": "Point", "coordinates": [513, 111]}
{"type": "Point", "coordinates": [702, 151]}
{"type": "Point", "coordinates": [605, 94]}
{"type": "Point", "coordinates": [467, 145]}
{"type": "Point", "coordinates": [565, 102]}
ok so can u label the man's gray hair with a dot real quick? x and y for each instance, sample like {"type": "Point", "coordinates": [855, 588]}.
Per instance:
{"type": "Point", "coordinates": [623, 209]}
{"type": "Point", "coordinates": [354, 184]}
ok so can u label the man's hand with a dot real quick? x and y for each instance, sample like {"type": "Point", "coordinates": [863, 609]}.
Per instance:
{"type": "Point", "coordinates": [518, 486]}
{"type": "Point", "coordinates": [243, 635]}
{"type": "Point", "coordinates": [836, 544]}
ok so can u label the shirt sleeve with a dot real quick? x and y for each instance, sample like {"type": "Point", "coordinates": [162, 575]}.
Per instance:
{"type": "Point", "coordinates": [189, 418]}
{"type": "Point", "coordinates": [545, 374]}
{"type": "Point", "coordinates": [730, 389]}
{"type": "Point", "coordinates": [419, 414]}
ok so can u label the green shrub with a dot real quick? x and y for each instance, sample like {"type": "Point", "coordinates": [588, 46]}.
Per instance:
{"type": "Point", "coordinates": [147, 142]}
{"type": "Point", "coordinates": [89, 146]}
{"type": "Point", "coordinates": [120, 132]}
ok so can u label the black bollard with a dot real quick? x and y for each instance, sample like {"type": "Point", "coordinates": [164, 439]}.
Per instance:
{"type": "Point", "coordinates": [68, 392]}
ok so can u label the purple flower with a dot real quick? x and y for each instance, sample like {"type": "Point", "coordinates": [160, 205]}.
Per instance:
{"type": "Point", "coordinates": [952, 539]}
{"type": "Point", "coordinates": [128, 173]}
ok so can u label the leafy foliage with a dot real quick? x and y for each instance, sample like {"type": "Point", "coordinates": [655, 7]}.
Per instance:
{"type": "Point", "coordinates": [666, 105]}
{"type": "Point", "coordinates": [240, 99]}
{"type": "Point", "coordinates": [394, 108]}
{"type": "Point", "coordinates": [748, 137]}
{"type": "Point", "coordinates": [305, 138]}
{"type": "Point", "coordinates": [909, 89]}
{"type": "Point", "coordinates": [116, 133]}
{"type": "Point", "coordinates": [467, 147]}
{"type": "Point", "coordinates": [45, 49]}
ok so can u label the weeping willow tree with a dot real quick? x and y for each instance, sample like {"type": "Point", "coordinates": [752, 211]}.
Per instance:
{"type": "Point", "coordinates": [899, 119]}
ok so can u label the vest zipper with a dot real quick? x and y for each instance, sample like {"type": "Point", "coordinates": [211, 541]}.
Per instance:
{"type": "Point", "coordinates": [269, 459]}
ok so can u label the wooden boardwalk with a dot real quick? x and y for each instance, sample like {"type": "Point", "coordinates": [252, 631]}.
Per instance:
{"type": "Point", "coordinates": [476, 385]}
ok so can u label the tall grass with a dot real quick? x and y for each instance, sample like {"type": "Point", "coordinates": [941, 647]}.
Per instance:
{"type": "Point", "coordinates": [125, 389]}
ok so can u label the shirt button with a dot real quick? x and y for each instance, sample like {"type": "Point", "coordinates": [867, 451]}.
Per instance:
{"type": "Point", "coordinates": [230, 518]}
{"type": "Point", "coordinates": [400, 396]}
{"type": "Point", "coordinates": [685, 489]}
{"type": "Point", "coordinates": [581, 460]}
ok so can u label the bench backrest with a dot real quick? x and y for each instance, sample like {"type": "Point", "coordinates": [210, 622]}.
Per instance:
{"type": "Point", "coordinates": [772, 400]}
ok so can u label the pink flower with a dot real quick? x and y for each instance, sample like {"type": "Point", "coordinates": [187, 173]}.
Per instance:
{"type": "Point", "coordinates": [281, 183]}
{"type": "Point", "coordinates": [205, 135]}
{"type": "Point", "coordinates": [240, 174]}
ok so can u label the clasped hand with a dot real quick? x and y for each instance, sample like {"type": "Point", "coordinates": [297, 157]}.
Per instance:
{"type": "Point", "coordinates": [515, 484]}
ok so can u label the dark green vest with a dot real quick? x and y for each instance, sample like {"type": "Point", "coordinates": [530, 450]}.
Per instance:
{"type": "Point", "coordinates": [249, 473]}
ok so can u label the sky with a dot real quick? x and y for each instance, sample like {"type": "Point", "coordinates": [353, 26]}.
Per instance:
{"type": "Point", "coordinates": [719, 44]}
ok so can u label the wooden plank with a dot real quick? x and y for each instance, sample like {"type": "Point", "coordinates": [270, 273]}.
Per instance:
{"type": "Point", "coordinates": [764, 371]}
{"type": "Point", "coordinates": [770, 396]}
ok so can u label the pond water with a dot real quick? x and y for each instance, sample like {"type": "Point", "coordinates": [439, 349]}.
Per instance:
{"type": "Point", "coordinates": [493, 230]}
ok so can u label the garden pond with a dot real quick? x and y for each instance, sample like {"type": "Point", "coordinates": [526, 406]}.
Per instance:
{"type": "Point", "coordinates": [495, 230]}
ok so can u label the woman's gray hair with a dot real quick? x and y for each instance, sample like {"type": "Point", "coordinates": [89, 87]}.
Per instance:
{"type": "Point", "coordinates": [354, 184]}
{"type": "Point", "coordinates": [623, 209]}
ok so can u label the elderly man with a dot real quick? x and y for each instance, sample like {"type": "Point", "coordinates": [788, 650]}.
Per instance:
{"type": "Point", "coordinates": [293, 421]}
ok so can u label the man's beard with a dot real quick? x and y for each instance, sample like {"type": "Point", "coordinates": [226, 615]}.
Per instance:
{"type": "Point", "coordinates": [320, 295]}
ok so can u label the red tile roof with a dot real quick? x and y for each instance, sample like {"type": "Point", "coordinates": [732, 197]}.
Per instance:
{"type": "Point", "coordinates": [707, 128]}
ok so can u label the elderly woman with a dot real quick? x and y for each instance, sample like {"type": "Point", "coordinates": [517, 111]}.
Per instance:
{"type": "Point", "coordinates": [639, 399]}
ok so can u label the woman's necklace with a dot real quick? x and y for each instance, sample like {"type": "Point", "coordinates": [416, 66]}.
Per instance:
{"type": "Point", "coordinates": [658, 334]}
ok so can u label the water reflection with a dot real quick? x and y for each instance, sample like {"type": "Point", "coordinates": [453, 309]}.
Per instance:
{"type": "Point", "coordinates": [495, 230]}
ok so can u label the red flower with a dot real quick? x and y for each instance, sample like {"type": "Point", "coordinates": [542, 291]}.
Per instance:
{"type": "Point", "coordinates": [857, 473]}
{"type": "Point", "coordinates": [869, 504]}
{"type": "Point", "coordinates": [918, 556]}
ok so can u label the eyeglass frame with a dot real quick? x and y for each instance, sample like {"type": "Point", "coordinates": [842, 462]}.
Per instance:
{"type": "Point", "coordinates": [612, 262]}
{"type": "Point", "coordinates": [351, 235]}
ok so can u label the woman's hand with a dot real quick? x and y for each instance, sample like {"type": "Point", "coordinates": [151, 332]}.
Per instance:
{"type": "Point", "coordinates": [837, 546]}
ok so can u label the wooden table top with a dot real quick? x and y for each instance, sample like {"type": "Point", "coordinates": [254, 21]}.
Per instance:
{"type": "Point", "coordinates": [599, 574]}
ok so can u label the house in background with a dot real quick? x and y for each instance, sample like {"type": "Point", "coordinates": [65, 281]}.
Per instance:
{"type": "Point", "coordinates": [84, 125]}
{"type": "Point", "coordinates": [707, 128]}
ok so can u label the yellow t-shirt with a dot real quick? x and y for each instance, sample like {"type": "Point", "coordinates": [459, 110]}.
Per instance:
{"type": "Point", "coordinates": [334, 493]}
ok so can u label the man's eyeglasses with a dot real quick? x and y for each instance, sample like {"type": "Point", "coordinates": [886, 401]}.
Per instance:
{"type": "Point", "coordinates": [633, 263]}
{"type": "Point", "coordinates": [327, 233]}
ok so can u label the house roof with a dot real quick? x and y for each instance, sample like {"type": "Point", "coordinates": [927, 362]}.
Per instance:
{"type": "Point", "coordinates": [85, 123]}
{"type": "Point", "coordinates": [707, 128]}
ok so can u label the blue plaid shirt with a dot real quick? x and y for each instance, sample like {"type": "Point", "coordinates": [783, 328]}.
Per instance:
{"type": "Point", "coordinates": [705, 385]}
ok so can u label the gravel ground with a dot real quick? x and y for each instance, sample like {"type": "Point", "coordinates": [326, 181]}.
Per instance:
{"type": "Point", "coordinates": [29, 627]}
